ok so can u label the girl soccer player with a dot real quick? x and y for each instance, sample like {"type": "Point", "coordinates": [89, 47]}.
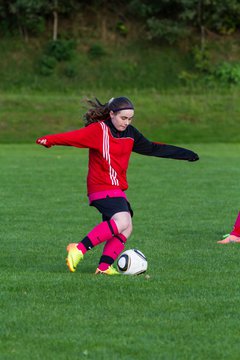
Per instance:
{"type": "Point", "coordinates": [234, 236]}
{"type": "Point", "coordinates": [111, 138]}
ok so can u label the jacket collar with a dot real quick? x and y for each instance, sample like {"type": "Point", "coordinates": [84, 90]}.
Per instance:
{"type": "Point", "coordinates": [114, 131]}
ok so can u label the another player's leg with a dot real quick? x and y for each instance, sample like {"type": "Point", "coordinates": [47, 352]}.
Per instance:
{"type": "Point", "coordinates": [234, 236]}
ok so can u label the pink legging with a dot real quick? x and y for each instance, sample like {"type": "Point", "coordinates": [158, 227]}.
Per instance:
{"type": "Point", "coordinates": [236, 228]}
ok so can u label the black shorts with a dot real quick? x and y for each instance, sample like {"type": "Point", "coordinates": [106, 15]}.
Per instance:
{"type": "Point", "coordinates": [111, 205]}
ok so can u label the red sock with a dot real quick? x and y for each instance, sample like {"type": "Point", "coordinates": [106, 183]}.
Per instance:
{"type": "Point", "coordinates": [102, 232]}
{"type": "Point", "coordinates": [236, 228]}
{"type": "Point", "coordinates": [111, 251]}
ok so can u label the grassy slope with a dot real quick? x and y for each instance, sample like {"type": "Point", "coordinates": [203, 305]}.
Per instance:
{"type": "Point", "coordinates": [160, 116]}
{"type": "Point", "coordinates": [32, 105]}
{"type": "Point", "coordinates": [189, 308]}
{"type": "Point", "coordinates": [125, 65]}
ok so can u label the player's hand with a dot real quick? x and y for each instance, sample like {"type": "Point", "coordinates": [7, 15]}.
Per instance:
{"type": "Point", "coordinates": [43, 142]}
{"type": "Point", "coordinates": [195, 157]}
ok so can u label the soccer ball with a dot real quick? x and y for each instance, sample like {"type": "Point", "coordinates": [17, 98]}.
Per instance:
{"type": "Point", "coordinates": [132, 262]}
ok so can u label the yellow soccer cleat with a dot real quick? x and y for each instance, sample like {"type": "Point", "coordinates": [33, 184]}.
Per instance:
{"type": "Point", "coordinates": [110, 271]}
{"type": "Point", "coordinates": [74, 256]}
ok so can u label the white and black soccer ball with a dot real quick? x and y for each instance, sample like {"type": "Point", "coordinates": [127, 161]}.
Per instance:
{"type": "Point", "coordinates": [132, 262]}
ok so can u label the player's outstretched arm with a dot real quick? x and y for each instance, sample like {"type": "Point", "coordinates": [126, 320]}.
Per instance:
{"type": "Point", "coordinates": [86, 137]}
{"type": "Point", "coordinates": [146, 147]}
{"type": "Point", "coordinates": [174, 152]}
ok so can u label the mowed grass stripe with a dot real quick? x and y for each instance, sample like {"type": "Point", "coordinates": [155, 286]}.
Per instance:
{"type": "Point", "coordinates": [165, 117]}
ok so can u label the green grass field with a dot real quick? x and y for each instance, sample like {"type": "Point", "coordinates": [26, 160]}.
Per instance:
{"type": "Point", "coordinates": [187, 309]}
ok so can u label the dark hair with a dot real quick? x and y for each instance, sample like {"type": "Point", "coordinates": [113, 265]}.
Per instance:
{"type": "Point", "coordinates": [100, 112]}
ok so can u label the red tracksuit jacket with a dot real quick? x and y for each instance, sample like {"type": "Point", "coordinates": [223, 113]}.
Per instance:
{"type": "Point", "coordinates": [110, 150]}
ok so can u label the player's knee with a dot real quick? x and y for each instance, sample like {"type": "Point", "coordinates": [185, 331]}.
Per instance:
{"type": "Point", "coordinates": [127, 232]}
{"type": "Point", "coordinates": [123, 221]}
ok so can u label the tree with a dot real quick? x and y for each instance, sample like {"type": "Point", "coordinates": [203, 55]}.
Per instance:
{"type": "Point", "coordinates": [24, 16]}
{"type": "Point", "coordinates": [169, 19]}
{"type": "Point", "coordinates": [65, 8]}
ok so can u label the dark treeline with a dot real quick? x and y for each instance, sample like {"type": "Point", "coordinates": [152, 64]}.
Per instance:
{"type": "Point", "coordinates": [79, 39]}
{"type": "Point", "coordinates": [167, 20]}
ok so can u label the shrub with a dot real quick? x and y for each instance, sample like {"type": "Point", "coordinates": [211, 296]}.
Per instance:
{"type": "Point", "coordinates": [228, 73]}
{"type": "Point", "coordinates": [46, 65]}
{"type": "Point", "coordinates": [202, 61]}
{"type": "Point", "coordinates": [122, 29]}
{"type": "Point", "coordinates": [70, 71]}
{"type": "Point", "coordinates": [96, 51]}
{"type": "Point", "coordinates": [167, 30]}
{"type": "Point", "coordinates": [60, 49]}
